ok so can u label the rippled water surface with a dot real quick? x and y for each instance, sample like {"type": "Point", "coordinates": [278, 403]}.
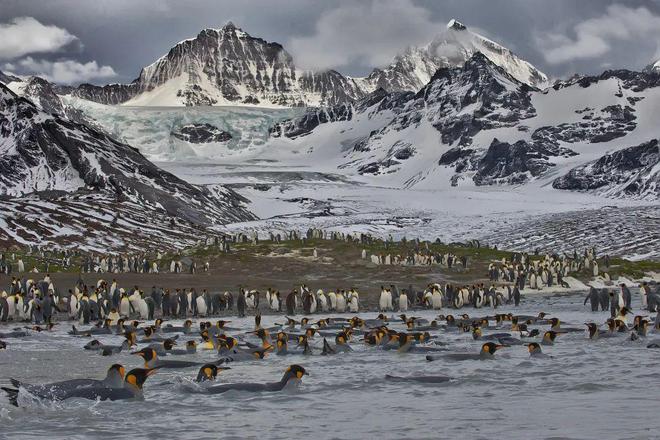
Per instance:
{"type": "Point", "coordinates": [601, 389]}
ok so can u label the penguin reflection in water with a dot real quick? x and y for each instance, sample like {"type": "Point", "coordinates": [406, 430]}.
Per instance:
{"type": "Point", "coordinates": [293, 374]}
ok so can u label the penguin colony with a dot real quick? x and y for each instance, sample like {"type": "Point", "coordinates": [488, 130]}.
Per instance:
{"type": "Point", "coordinates": [137, 324]}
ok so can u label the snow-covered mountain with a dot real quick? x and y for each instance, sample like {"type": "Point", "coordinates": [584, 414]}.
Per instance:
{"type": "Point", "coordinates": [227, 66]}
{"type": "Point", "coordinates": [653, 67]}
{"type": "Point", "coordinates": [48, 157]}
{"type": "Point", "coordinates": [414, 68]}
{"type": "Point", "coordinates": [479, 125]}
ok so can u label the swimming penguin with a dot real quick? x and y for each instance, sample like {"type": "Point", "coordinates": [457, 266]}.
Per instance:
{"type": "Point", "coordinates": [191, 348]}
{"type": "Point", "coordinates": [594, 333]}
{"type": "Point", "coordinates": [163, 348]}
{"type": "Point", "coordinates": [535, 350]}
{"type": "Point", "coordinates": [59, 390]}
{"type": "Point", "coordinates": [130, 341]}
{"type": "Point", "coordinates": [407, 344]}
{"type": "Point", "coordinates": [555, 325]}
{"type": "Point", "coordinates": [185, 329]}
{"type": "Point", "coordinates": [151, 360]}
{"type": "Point", "coordinates": [549, 337]}
{"type": "Point", "coordinates": [209, 372]}
{"type": "Point", "coordinates": [293, 374]}
{"type": "Point", "coordinates": [3, 345]}
{"type": "Point", "coordinates": [487, 352]}
{"type": "Point", "coordinates": [150, 336]}
{"type": "Point", "coordinates": [131, 389]}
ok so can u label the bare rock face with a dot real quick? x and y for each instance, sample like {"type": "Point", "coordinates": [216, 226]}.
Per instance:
{"type": "Point", "coordinates": [41, 152]}
{"type": "Point", "coordinates": [201, 134]}
{"type": "Point", "coordinates": [631, 172]}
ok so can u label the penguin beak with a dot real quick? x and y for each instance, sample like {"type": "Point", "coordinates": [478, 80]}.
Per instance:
{"type": "Point", "coordinates": [152, 371]}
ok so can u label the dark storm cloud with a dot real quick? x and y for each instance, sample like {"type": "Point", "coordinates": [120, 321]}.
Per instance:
{"type": "Point", "coordinates": [560, 37]}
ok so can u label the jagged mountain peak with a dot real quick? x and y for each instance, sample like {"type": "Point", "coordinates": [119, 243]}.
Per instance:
{"type": "Point", "coordinates": [456, 25]}
{"type": "Point", "coordinates": [413, 68]}
{"type": "Point", "coordinates": [653, 67]}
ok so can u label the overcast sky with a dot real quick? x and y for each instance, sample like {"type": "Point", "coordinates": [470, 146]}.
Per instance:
{"type": "Point", "coordinates": [103, 41]}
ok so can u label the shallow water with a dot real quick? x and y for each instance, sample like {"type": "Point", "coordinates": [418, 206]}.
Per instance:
{"type": "Point", "coordinates": [600, 389]}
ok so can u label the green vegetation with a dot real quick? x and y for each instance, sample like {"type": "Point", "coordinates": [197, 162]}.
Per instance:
{"type": "Point", "coordinates": [478, 257]}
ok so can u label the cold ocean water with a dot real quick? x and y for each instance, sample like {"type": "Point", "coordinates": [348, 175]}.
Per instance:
{"type": "Point", "coordinates": [586, 390]}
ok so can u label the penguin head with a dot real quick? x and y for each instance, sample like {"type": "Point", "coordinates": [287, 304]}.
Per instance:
{"type": "Point", "coordinates": [148, 354]}
{"type": "Point", "coordinates": [138, 376]}
{"type": "Point", "coordinates": [302, 340]}
{"type": "Point", "coordinates": [490, 347]}
{"type": "Point", "coordinates": [158, 322]}
{"type": "Point", "coordinates": [476, 332]}
{"type": "Point", "coordinates": [304, 322]}
{"type": "Point", "coordinates": [221, 323]}
{"type": "Point", "coordinates": [624, 311]}
{"type": "Point", "coordinates": [148, 332]}
{"type": "Point", "coordinates": [281, 344]}
{"type": "Point", "coordinates": [191, 345]}
{"type": "Point", "coordinates": [554, 322]}
{"type": "Point", "coordinates": [341, 338]}
{"type": "Point", "coordinates": [93, 344]}
{"type": "Point", "coordinates": [356, 322]}
{"type": "Point", "coordinates": [620, 326]}
{"type": "Point", "coordinates": [533, 347]}
{"type": "Point", "coordinates": [188, 323]}
{"type": "Point", "coordinates": [282, 336]}
{"type": "Point", "coordinates": [116, 370]}
{"type": "Point", "coordinates": [549, 336]}
{"type": "Point", "coordinates": [592, 328]}
{"type": "Point", "coordinates": [169, 343]}
{"type": "Point", "coordinates": [611, 325]}
{"type": "Point", "coordinates": [295, 372]}
{"type": "Point", "coordinates": [130, 338]}
{"type": "Point", "coordinates": [209, 372]}
{"type": "Point", "coordinates": [228, 342]}
{"type": "Point", "coordinates": [310, 332]}
{"type": "Point", "coordinates": [450, 319]}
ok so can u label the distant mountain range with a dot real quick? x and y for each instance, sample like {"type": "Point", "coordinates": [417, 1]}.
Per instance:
{"type": "Point", "coordinates": [479, 125]}
{"type": "Point", "coordinates": [228, 66]}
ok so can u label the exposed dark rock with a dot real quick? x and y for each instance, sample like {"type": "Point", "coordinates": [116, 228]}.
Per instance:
{"type": "Point", "coordinates": [631, 171]}
{"type": "Point", "coordinates": [201, 134]}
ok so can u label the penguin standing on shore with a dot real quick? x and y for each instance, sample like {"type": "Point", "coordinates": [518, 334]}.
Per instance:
{"type": "Point", "coordinates": [594, 298]}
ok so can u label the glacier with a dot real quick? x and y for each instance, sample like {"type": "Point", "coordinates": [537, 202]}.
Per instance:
{"type": "Point", "coordinates": [150, 128]}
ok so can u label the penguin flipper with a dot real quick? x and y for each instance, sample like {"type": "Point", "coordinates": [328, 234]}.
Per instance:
{"type": "Point", "coordinates": [12, 395]}
{"type": "Point", "coordinates": [15, 383]}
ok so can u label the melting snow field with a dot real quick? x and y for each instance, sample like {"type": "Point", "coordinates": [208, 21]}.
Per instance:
{"type": "Point", "coordinates": [304, 183]}
{"type": "Point", "coordinates": [526, 217]}
{"type": "Point", "coordinates": [585, 390]}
